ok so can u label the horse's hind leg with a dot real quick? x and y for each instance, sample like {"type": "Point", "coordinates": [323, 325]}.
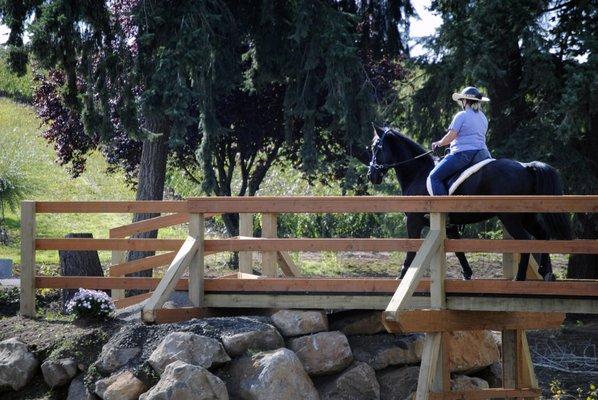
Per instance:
{"type": "Point", "coordinates": [452, 232]}
{"type": "Point", "coordinates": [533, 226]}
{"type": "Point", "coordinates": [514, 225]}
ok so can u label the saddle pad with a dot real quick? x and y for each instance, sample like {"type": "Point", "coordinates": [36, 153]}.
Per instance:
{"type": "Point", "coordinates": [462, 177]}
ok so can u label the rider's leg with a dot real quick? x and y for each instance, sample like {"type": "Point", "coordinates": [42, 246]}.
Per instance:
{"type": "Point", "coordinates": [449, 166]}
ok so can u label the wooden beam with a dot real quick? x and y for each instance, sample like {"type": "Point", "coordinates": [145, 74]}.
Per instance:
{"type": "Point", "coordinates": [522, 246]}
{"type": "Point", "coordinates": [150, 224]}
{"type": "Point", "coordinates": [171, 277]}
{"type": "Point", "coordinates": [131, 300]}
{"type": "Point", "coordinates": [312, 245]}
{"type": "Point", "coordinates": [94, 282]}
{"type": "Point", "coordinates": [142, 264]}
{"type": "Point", "coordinates": [429, 363]}
{"type": "Point", "coordinates": [109, 244]}
{"type": "Point", "coordinates": [117, 257]}
{"type": "Point", "coordinates": [246, 229]}
{"type": "Point", "coordinates": [342, 204]}
{"type": "Point", "coordinates": [269, 258]}
{"type": "Point", "coordinates": [27, 300]}
{"type": "Point", "coordinates": [415, 272]}
{"type": "Point", "coordinates": [287, 265]}
{"type": "Point", "coordinates": [481, 394]}
{"type": "Point", "coordinates": [196, 265]}
{"type": "Point", "coordinates": [146, 206]}
{"type": "Point", "coordinates": [453, 320]}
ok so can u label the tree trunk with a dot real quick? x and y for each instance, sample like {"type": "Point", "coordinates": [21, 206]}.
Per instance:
{"type": "Point", "coordinates": [584, 266]}
{"type": "Point", "coordinates": [152, 174]}
{"type": "Point", "coordinates": [78, 263]}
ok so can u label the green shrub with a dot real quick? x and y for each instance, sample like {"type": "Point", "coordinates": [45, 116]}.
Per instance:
{"type": "Point", "coordinates": [18, 88]}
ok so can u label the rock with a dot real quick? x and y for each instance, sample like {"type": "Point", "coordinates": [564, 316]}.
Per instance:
{"type": "Point", "coordinates": [271, 375]}
{"type": "Point", "coordinates": [182, 381]}
{"type": "Point", "coordinates": [357, 322]}
{"type": "Point", "coordinates": [323, 353]}
{"type": "Point", "coordinates": [236, 344]}
{"type": "Point", "coordinates": [358, 382]}
{"type": "Point", "coordinates": [492, 374]}
{"type": "Point", "coordinates": [296, 323]}
{"type": "Point", "coordinates": [398, 384]}
{"type": "Point", "coordinates": [188, 347]}
{"type": "Point", "coordinates": [122, 386]}
{"type": "Point", "coordinates": [383, 350]}
{"type": "Point", "coordinates": [471, 351]}
{"type": "Point", "coordinates": [462, 382]}
{"type": "Point", "coordinates": [78, 390]}
{"type": "Point", "coordinates": [17, 364]}
{"type": "Point", "coordinates": [59, 372]}
{"type": "Point", "coordinates": [112, 358]}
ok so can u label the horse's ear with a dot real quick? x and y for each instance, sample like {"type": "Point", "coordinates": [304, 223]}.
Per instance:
{"type": "Point", "coordinates": [377, 131]}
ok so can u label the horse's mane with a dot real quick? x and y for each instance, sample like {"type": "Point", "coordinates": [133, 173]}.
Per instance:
{"type": "Point", "coordinates": [413, 145]}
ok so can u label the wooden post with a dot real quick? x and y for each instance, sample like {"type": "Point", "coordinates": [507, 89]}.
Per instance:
{"type": "Point", "coordinates": [269, 258]}
{"type": "Point", "coordinates": [245, 229]}
{"type": "Point", "coordinates": [118, 257]}
{"type": "Point", "coordinates": [196, 267]}
{"type": "Point", "coordinates": [434, 375]}
{"type": "Point", "coordinates": [509, 261]}
{"type": "Point", "coordinates": [27, 306]}
{"type": "Point", "coordinates": [509, 359]}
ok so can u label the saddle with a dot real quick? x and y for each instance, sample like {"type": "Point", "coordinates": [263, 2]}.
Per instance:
{"type": "Point", "coordinates": [453, 183]}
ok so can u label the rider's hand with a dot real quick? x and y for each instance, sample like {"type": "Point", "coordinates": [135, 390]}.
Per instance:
{"type": "Point", "coordinates": [435, 145]}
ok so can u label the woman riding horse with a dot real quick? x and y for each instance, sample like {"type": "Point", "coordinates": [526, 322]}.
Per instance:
{"type": "Point", "coordinates": [467, 138]}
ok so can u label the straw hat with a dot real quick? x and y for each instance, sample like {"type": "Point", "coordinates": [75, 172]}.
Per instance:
{"type": "Point", "coordinates": [470, 93]}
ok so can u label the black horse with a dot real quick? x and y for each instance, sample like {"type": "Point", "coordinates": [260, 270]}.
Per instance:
{"type": "Point", "coordinates": [412, 165]}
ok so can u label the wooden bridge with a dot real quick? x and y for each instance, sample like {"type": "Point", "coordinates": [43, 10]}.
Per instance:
{"type": "Point", "coordinates": [415, 304]}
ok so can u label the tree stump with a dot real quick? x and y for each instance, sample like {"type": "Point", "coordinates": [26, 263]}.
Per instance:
{"type": "Point", "coordinates": [78, 263]}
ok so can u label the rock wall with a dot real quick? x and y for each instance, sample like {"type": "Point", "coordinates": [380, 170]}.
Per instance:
{"type": "Point", "coordinates": [291, 355]}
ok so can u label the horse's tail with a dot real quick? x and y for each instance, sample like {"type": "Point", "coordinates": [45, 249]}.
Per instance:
{"type": "Point", "coordinates": [547, 181]}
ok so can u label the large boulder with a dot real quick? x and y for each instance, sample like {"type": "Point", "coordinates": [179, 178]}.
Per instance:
{"type": "Point", "coordinates": [357, 382]}
{"type": "Point", "coordinates": [357, 322]}
{"type": "Point", "coordinates": [121, 386]}
{"type": "Point", "coordinates": [112, 358]}
{"type": "Point", "coordinates": [383, 350]}
{"type": "Point", "coordinates": [188, 347]}
{"type": "Point", "coordinates": [471, 351]}
{"type": "Point", "coordinates": [182, 381]}
{"type": "Point", "coordinates": [59, 372]}
{"type": "Point", "coordinates": [463, 382]}
{"type": "Point", "coordinates": [271, 375]}
{"type": "Point", "coordinates": [398, 383]}
{"type": "Point", "coordinates": [17, 364]}
{"type": "Point", "coordinates": [323, 353]}
{"type": "Point", "coordinates": [265, 338]}
{"type": "Point", "coordinates": [296, 322]}
{"type": "Point", "coordinates": [78, 390]}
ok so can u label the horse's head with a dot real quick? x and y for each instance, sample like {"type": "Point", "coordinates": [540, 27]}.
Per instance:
{"type": "Point", "coordinates": [382, 154]}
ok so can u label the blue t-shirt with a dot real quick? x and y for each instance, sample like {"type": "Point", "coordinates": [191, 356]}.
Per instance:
{"type": "Point", "coordinates": [471, 127]}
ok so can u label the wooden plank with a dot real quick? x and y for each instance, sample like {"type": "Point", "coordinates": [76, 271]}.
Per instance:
{"type": "Point", "coordinates": [558, 304]}
{"type": "Point", "coordinates": [312, 245]}
{"type": "Point", "coordinates": [94, 282]}
{"type": "Point", "coordinates": [131, 300]}
{"type": "Point", "coordinates": [146, 206]}
{"type": "Point", "coordinates": [481, 394]}
{"type": "Point", "coordinates": [429, 363]}
{"type": "Point", "coordinates": [509, 359]}
{"type": "Point", "coordinates": [453, 320]}
{"type": "Point", "coordinates": [438, 263]}
{"type": "Point", "coordinates": [171, 277]}
{"type": "Point", "coordinates": [109, 244]}
{"type": "Point", "coordinates": [415, 272]}
{"type": "Point", "coordinates": [196, 265]}
{"type": "Point", "coordinates": [142, 264]}
{"type": "Point", "coordinates": [118, 257]}
{"type": "Point", "coordinates": [27, 299]}
{"type": "Point", "coordinates": [522, 246]}
{"type": "Point", "coordinates": [341, 204]}
{"type": "Point", "coordinates": [528, 375]}
{"type": "Point", "coordinates": [150, 224]}
{"type": "Point", "coordinates": [246, 229]}
{"type": "Point", "coordinates": [287, 265]}
{"type": "Point", "coordinates": [269, 258]}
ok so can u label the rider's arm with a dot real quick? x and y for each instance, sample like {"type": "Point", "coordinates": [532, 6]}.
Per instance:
{"type": "Point", "coordinates": [446, 140]}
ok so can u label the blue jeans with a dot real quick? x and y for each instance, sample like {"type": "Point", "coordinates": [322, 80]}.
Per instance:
{"type": "Point", "coordinates": [450, 165]}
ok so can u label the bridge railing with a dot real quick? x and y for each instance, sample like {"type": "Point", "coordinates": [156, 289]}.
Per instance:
{"type": "Point", "coordinates": [195, 210]}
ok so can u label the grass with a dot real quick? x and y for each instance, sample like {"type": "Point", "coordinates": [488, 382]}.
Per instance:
{"type": "Point", "coordinates": [19, 88]}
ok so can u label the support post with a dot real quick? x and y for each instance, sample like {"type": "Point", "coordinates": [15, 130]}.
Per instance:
{"type": "Point", "coordinates": [118, 257]}
{"type": "Point", "coordinates": [269, 258]}
{"type": "Point", "coordinates": [196, 267]}
{"type": "Point", "coordinates": [27, 304]}
{"type": "Point", "coordinates": [245, 229]}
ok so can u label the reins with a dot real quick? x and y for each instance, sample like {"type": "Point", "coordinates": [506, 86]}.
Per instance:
{"type": "Point", "coordinates": [401, 162]}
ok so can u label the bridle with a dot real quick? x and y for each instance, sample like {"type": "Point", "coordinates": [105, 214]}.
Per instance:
{"type": "Point", "coordinates": [378, 147]}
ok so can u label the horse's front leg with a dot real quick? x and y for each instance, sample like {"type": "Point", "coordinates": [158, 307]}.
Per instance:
{"type": "Point", "coordinates": [514, 225]}
{"type": "Point", "coordinates": [452, 232]}
{"type": "Point", "coordinates": [415, 224]}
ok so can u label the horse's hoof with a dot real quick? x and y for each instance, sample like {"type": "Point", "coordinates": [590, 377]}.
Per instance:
{"type": "Point", "coordinates": [467, 277]}
{"type": "Point", "coordinates": [549, 277]}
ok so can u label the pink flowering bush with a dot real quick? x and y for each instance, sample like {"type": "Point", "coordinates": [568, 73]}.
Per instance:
{"type": "Point", "coordinates": [90, 304]}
